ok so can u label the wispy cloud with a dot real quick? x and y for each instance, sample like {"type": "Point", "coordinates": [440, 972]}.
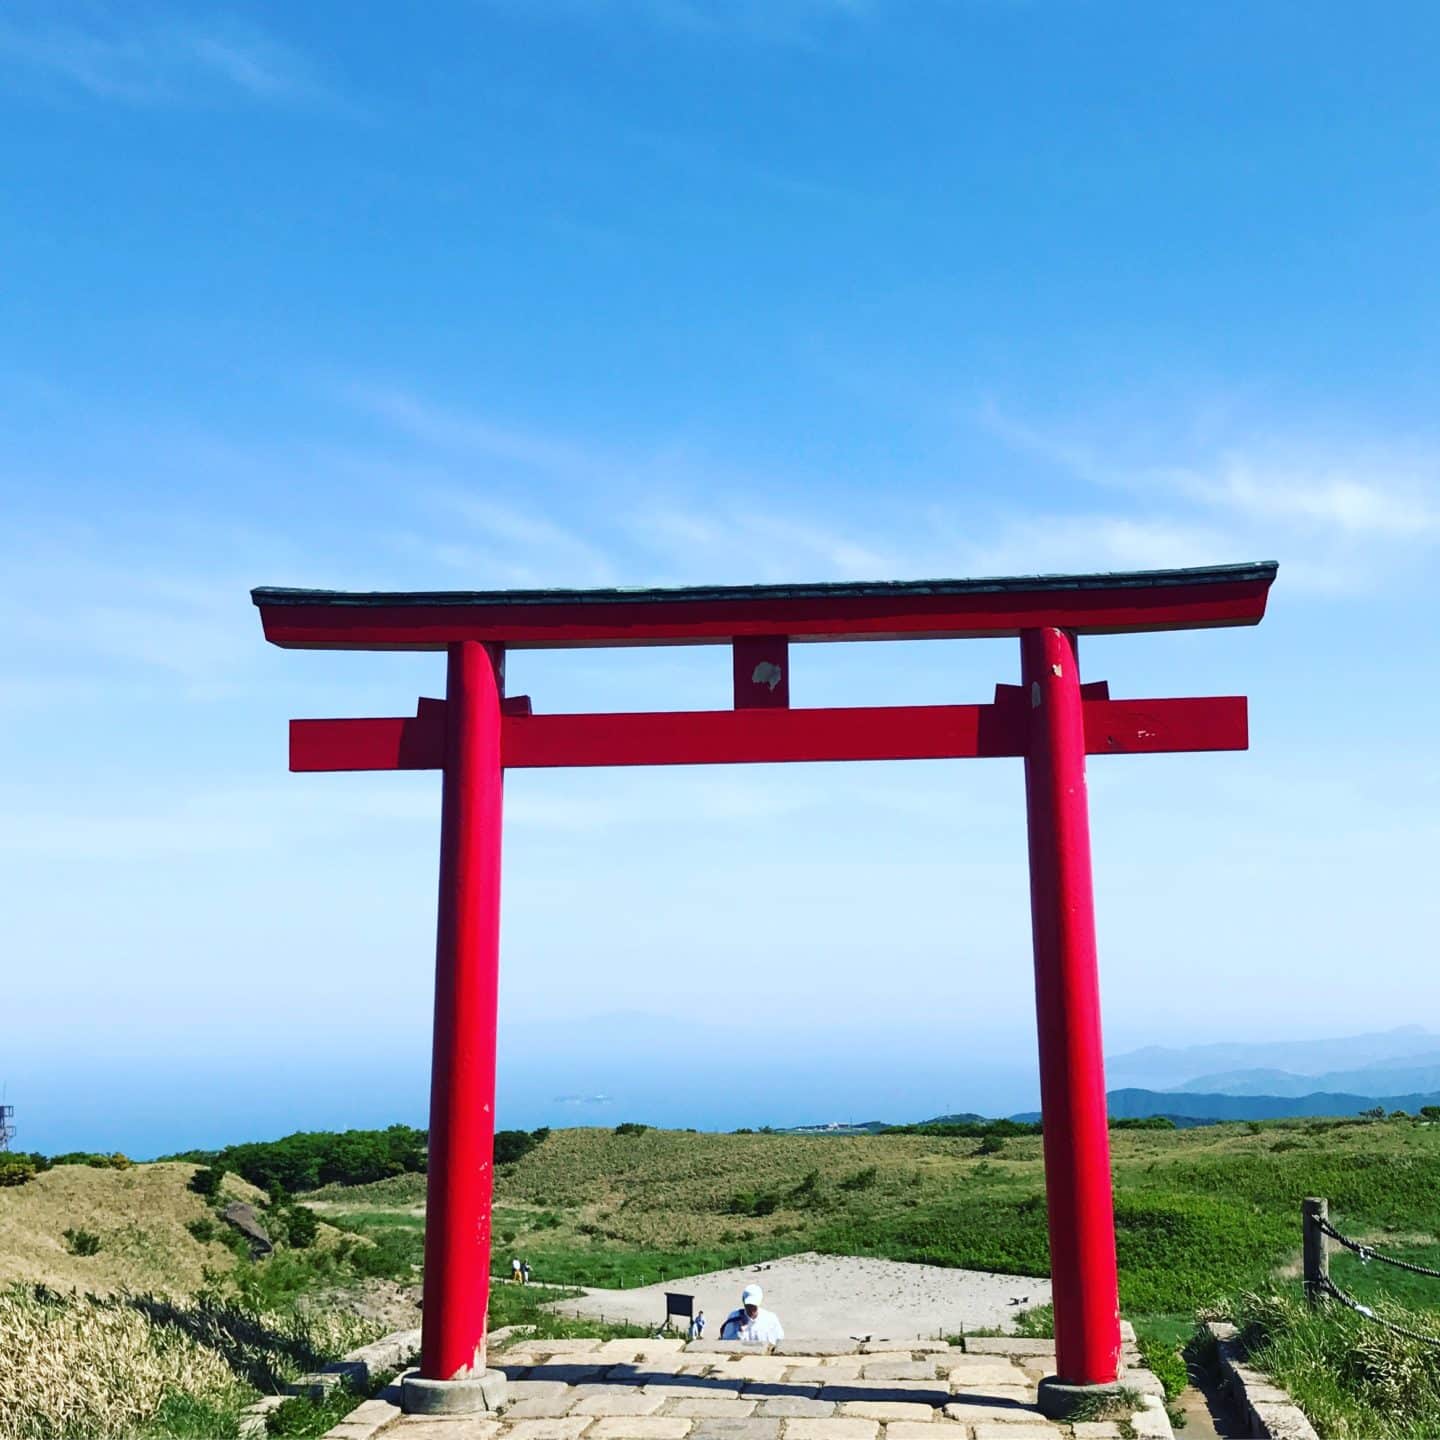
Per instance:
{"type": "Point", "coordinates": [1370, 494]}
{"type": "Point", "coordinates": [1338, 512]}
{"type": "Point", "coordinates": [111, 54]}
{"type": "Point", "coordinates": [775, 22]}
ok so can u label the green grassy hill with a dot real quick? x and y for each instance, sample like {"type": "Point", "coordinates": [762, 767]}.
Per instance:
{"type": "Point", "coordinates": [1200, 1214]}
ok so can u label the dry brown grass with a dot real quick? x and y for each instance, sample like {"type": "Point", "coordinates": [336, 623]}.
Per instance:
{"type": "Point", "coordinates": [75, 1367]}
{"type": "Point", "coordinates": [80, 1366]}
{"type": "Point", "coordinates": [139, 1214]}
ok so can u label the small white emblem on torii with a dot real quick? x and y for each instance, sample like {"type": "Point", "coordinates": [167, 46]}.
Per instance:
{"type": "Point", "coordinates": [767, 672]}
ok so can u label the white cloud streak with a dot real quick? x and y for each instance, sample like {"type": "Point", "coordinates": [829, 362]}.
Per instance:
{"type": "Point", "coordinates": [110, 55]}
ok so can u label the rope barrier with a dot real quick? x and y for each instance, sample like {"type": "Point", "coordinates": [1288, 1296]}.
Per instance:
{"type": "Point", "coordinates": [1332, 1289]}
{"type": "Point", "coordinates": [1368, 1252]}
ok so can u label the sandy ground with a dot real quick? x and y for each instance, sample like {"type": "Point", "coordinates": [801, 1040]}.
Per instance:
{"type": "Point", "coordinates": [835, 1296]}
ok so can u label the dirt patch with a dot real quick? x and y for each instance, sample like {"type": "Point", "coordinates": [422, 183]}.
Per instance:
{"type": "Point", "coordinates": [389, 1305]}
{"type": "Point", "coordinates": [833, 1295]}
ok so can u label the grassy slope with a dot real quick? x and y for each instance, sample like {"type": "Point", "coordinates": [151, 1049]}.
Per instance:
{"type": "Point", "coordinates": [188, 1331]}
{"type": "Point", "coordinates": [139, 1214]}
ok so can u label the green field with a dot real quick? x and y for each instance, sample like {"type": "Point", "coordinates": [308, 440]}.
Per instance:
{"type": "Point", "coordinates": [1200, 1213]}
{"type": "Point", "coordinates": [1204, 1218]}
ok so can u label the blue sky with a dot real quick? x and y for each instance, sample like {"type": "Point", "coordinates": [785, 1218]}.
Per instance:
{"type": "Point", "coordinates": [667, 291]}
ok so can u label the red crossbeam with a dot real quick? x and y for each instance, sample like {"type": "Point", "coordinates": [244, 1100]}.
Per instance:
{"type": "Point", "coordinates": [719, 737]}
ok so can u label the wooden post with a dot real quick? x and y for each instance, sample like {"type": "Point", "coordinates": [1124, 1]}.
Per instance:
{"type": "Point", "coordinates": [1317, 1248]}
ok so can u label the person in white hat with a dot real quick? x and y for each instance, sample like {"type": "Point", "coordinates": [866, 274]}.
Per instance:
{"type": "Point", "coordinates": [750, 1322]}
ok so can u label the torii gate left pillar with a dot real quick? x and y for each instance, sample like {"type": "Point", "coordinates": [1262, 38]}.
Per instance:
{"type": "Point", "coordinates": [460, 1177]}
{"type": "Point", "coordinates": [1050, 720]}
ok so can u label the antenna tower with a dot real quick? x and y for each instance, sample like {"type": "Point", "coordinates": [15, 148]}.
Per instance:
{"type": "Point", "coordinates": [7, 1126]}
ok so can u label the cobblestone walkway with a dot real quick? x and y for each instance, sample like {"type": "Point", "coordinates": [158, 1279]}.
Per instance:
{"type": "Point", "coordinates": [813, 1390]}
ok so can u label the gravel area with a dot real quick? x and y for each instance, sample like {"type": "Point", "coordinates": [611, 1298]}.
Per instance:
{"type": "Point", "coordinates": [826, 1296]}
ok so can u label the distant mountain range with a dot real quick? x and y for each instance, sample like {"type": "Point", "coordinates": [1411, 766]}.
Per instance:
{"type": "Point", "coordinates": [1260, 1080]}
{"type": "Point", "coordinates": [1388, 1062]}
{"type": "Point", "coordinates": [1179, 1105]}
{"type": "Point", "coordinates": [1421, 1073]}
{"type": "Point", "coordinates": [1399, 1069]}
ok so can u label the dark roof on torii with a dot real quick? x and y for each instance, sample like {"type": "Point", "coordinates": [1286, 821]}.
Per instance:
{"type": "Point", "coordinates": [1135, 600]}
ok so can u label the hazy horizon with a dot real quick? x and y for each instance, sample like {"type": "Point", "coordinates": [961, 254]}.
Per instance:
{"type": "Point", "coordinates": [273, 1094]}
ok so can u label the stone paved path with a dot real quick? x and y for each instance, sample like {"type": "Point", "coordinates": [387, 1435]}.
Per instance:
{"type": "Point", "coordinates": [808, 1390]}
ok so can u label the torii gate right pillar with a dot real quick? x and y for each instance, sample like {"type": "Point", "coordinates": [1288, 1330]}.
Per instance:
{"type": "Point", "coordinates": [1079, 1196]}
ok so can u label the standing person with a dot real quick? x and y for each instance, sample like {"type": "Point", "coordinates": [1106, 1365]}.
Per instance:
{"type": "Point", "coordinates": [750, 1323]}
{"type": "Point", "coordinates": [697, 1326]}
{"type": "Point", "coordinates": [515, 1271]}
{"type": "Point", "coordinates": [524, 1272]}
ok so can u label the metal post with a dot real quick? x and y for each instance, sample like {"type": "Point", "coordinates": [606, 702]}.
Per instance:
{"type": "Point", "coordinates": [1316, 1248]}
{"type": "Point", "coordinates": [467, 968]}
{"type": "Point", "coordinates": [1079, 1198]}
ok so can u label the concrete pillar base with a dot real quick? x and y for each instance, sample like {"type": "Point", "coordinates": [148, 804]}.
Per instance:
{"type": "Point", "coordinates": [470, 1395]}
{"type": "Point", "coordinates": [1060, 1400]}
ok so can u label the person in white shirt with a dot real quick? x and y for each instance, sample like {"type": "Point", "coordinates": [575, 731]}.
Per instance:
{"type": "Point", "coordinates": [750, 1322]}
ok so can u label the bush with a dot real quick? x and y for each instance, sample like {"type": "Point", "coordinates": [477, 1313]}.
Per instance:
{"type": "Point", "coordinates": [14, 1170]}
{"type": "Point", "coordinates": [629, 1127]}
{"type": "Point", "coordinates": [512, 1145]}
{"type": "Point", "coordinates": [82, 1242]}
{"type": "Point", "coordinates": [202, 1229]}
{"type": "Point", "coordinates": [301, 1226]}
{"type": "Point", "coordinates": [864, 1179]}
{"type": "Point", "coordinates": [206, 1181]}
{"type": "Point", "coordinates": [990, 1145]}
{"type": "Point", "coordinates": [307, 1160]}
{"type": "Point", "coordinates": [753, 1202]}
{"type": "Point", "coordinates": [807, 1194]}
{"type": "Point", "coordinates": [1036, 1323]}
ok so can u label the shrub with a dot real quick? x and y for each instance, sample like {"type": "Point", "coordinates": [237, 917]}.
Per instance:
{"type": "Point", "coordinates": [202, 1229]}
{"type": "Point", "coordinates": [82, 1242]}
{"type": "Point", "coordinates": [754, 1202]}
{"type": "Point", "coordinates": [1036, 1323]}
{"type": "Point", "coordinates": [864, 1179]}
{"type": "Point", "coordinates": [990, 1145]}
{"type": "Point", "coordinates": [630, 1127]}
{"type": "Point", "coordinates": [807, 1194]}
{"type": "Point", "coordinates": [513, 1145]}
{"type": "Point", "coordinates": [1165, 1363]}
{"type": "Point", "coordinates": [14, 1170]}
{"type": "Point", "coordinates": [1430, 1112]}
{"type": "Point", "coordinates": [307, 1160]}
{"type": "Point", "coordinates": [206, 1181]}
{"type": "Point", "coordinates": [301, 1226]}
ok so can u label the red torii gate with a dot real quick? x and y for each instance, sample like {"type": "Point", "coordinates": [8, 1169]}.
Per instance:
{"type": "Point", "coordinates": [1051, 720]}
